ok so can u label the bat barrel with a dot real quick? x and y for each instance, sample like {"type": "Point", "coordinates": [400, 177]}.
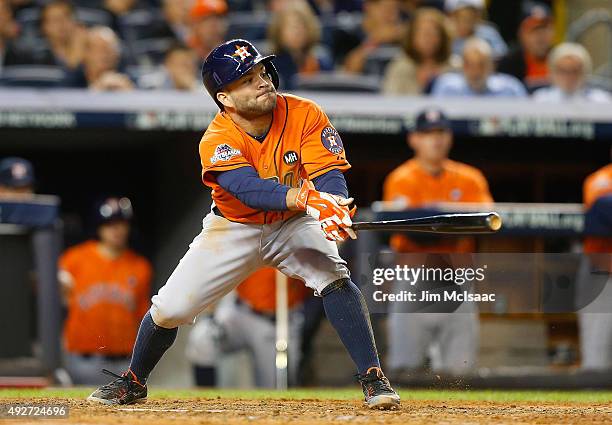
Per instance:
{"type": "Point", "coordinates": [447, 223]}
{"type": "Point", "coordinates": [494, 221]}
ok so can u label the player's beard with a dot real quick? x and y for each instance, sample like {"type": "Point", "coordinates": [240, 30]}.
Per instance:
{"type": "Point", "coordinates": [257, 106]}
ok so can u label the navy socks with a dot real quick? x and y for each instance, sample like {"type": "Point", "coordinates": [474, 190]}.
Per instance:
{"type": "Point", "coordinates": [151, 344]}
{"type": "Point", "coordinates": [344, 306]}
{"type": "Point", "coordinates": [348, 313]}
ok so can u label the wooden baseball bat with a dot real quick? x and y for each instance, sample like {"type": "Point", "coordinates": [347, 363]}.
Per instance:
{"type": "Point", "coordinates": [446, 223]}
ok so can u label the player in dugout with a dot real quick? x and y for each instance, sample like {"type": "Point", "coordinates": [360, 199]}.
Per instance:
{"type": "Point", "coordinates": [16, 177]}
{"type": "Point", "coordinates": [248, 322]}
{"type": "Point", "coordinates": [106, 288]}
{"type": "Point", "coordinates": [428, 178]}
{"type": "Point", "coordinates": [275, 164]}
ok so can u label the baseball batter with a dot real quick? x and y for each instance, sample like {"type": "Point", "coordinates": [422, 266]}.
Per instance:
{"type": "Point", "coordinates": [274, 163]}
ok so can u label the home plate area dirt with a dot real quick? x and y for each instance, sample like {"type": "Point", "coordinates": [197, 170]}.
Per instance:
{"type": "Point", "coordinates": [228, 411]}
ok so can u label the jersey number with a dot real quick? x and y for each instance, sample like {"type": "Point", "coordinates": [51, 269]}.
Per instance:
{"type": "Point", "coordinates": [287, 179]}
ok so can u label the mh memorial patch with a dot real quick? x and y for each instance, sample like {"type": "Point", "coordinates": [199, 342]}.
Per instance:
{"type": "Point", "coordinates": [290, 157]}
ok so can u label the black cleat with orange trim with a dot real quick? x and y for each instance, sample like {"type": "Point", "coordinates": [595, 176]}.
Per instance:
{"type": "Point", "coordinates": [126, 389]}
{"type": "Point", "coordinates": [377, 390]}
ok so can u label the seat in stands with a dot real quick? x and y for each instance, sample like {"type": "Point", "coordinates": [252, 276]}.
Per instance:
{"type": "Point", "coordinates": [338, 82]}
{"type": "Point", "coordinates": [32, 76]}
{"type": "Point", "coordinates": [151, 51]}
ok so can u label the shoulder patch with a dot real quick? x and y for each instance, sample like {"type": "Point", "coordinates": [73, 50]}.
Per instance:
{"type": "Point", "coordinates": [455, 194]}
{"type": "Point", "coordinates": [224, 152]}
{"type": "Point", "coordinates": [602, 182]}
{"type": "Point", "coordinates": [331, 140]}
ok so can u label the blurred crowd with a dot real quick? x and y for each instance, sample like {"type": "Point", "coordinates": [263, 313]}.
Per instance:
{"type": "Point", "coordinates": [397, 47]}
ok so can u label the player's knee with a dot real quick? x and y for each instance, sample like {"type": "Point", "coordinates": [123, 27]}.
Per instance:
{"type": "Point", "coordinates": [170, 316]}
{"type": "Point", "coordinates": [335, 286]}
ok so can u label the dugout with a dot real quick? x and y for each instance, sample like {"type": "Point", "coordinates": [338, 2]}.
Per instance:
{"type": "Point", "coordinates": [30, 314]}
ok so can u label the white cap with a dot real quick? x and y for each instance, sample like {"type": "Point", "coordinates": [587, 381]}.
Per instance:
{"type": "Point", "coordinates": [452, 5]}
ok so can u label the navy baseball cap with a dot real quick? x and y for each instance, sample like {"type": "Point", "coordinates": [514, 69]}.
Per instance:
{"type": "Point", "coordinates": [535, 14]}
{"type": "Point", "coordinates": [16, 172]}
{"type": "Point", "coordinates": [113, 209]}
{"type": "Point", "coordinates": [432, 119]}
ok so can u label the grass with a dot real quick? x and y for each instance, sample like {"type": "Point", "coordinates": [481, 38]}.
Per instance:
{"type": "Point", "coordinates": [337, 394]}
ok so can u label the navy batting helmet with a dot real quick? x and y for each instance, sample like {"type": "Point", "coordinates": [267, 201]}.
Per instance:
{"type": "Point", "coordinates": [16, 172]}
{"type": "Point", "coordinates": [230, 61]}
{"type": "Point", "coordinates": [112, 209]}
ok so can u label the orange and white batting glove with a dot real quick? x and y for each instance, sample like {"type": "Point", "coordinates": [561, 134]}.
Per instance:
{"type": "Point", "coordinates": [330, 210]}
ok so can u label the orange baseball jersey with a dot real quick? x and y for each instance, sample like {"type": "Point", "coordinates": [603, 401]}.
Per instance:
{"type": "Point", "coordinates": [107, 299]}
{"type": "Point", "coordinates": [415, 187]}
{"type": "Point", "coordinates": [537, 72]}
{"type": "Point", "coordinates": [259, 291]}
{"type": "Point", "coordinates": [597, 185]}
{"type": "Point", "coordinates": [300, 144]}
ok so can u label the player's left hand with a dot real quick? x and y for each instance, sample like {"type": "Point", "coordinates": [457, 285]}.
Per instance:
{"type": "Point", "coordinates": [335, 232]}
{"type": "Point", "coordinates": [331, 211]}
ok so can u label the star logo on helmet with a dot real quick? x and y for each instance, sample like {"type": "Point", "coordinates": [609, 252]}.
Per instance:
{"type": "Point", "coordinates": [432, 115]}
{"type": "Point", "coordinates": [538, 12]}
{"type": "Point", "coordinates": [19, 171]}
{"type": "Point", "coordinates": [242, 52]}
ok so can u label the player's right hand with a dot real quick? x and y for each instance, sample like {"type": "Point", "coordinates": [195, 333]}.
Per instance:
{"type": "Point", "coordinates": [331, 211]}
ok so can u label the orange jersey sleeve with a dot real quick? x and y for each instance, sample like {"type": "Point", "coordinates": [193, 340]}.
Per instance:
{"type": "Point", "coordinates": [597, 184]}
{"type": "Point", "coordinates": [222, 148]}
{"type": "Point", "coordinates": [322, 147]}
{"type": "Point", "coordinates": [259, 291]}
{"type": "Point", "coordinates": [475, 185]}
{"type": "Point", "coordinates": [68, 266]}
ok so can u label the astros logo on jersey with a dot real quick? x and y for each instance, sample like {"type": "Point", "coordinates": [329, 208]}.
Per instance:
{"type": "Point", "coordinates": [602, 182]}
{"type": "Point", "coordinates": [242, 52]}
{"type": "Point", "coordinates": [331, 140]}
{"type": "Point", "coordinates": [455, 194]}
